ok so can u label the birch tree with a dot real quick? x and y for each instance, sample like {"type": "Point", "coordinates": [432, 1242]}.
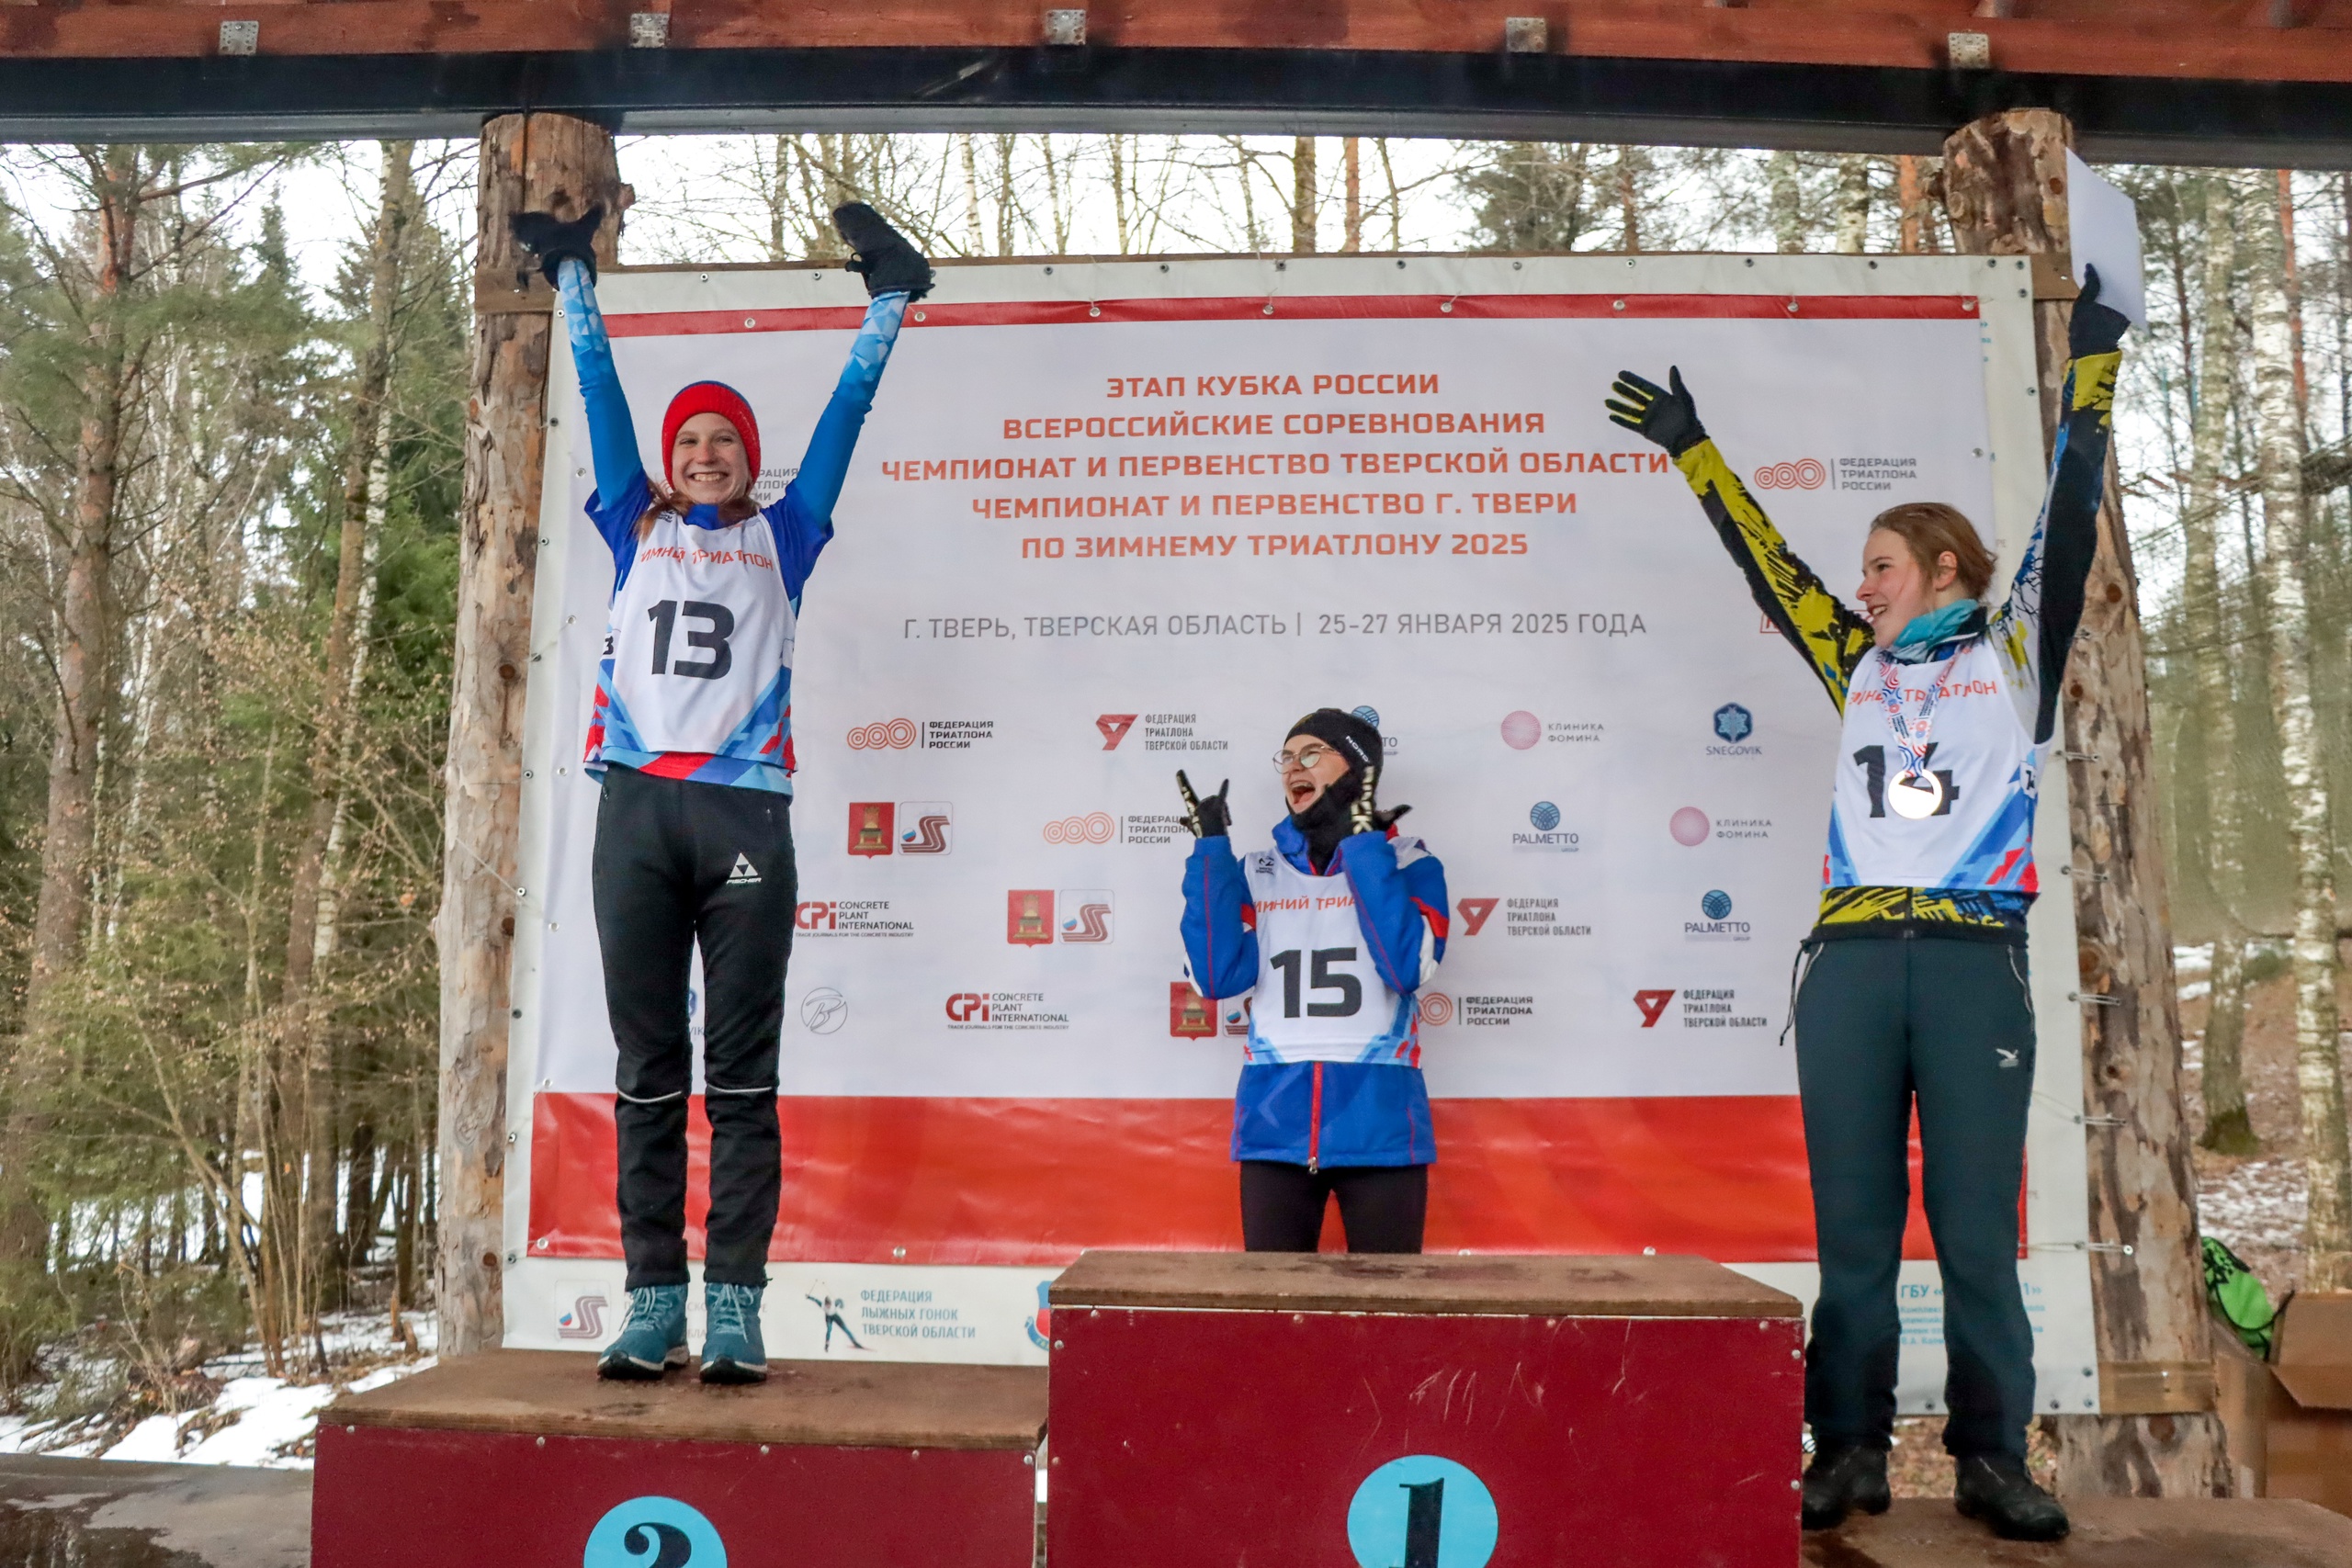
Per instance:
{"type": "Point", "coordinates": [2227, 1127]}
{"type": "Point", "coordinates": [2318, 1062]}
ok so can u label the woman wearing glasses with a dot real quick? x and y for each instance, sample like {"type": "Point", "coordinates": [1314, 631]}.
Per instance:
{"type": "Point", "coordinates": [1331, 931]}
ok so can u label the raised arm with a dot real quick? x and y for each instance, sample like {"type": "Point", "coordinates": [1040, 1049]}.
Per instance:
{"type": "Point", "coordinates": [823, 467]}
{"type": "Point", "coordinates": [1220, 923]}
{"type": "Point", "coordinates": [896, 275]}
{"type": "Point", "coordinates": [1399, 890]}
{"type": "Point", "coordinates": [612, 433]}
{"type": "Point", "coordinates": [1832, 638]}
{"type": "Point", "coordinates": [567, 257]}
{"type": "Point", "coordinates": [2036, 627]}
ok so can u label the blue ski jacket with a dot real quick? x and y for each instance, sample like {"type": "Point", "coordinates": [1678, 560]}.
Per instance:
{"type": "Point", "coordinates": [1323, 1114]}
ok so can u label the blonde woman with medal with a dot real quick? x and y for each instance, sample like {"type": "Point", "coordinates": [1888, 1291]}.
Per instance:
{"type": "Point", "coordinates": [1915, 986]}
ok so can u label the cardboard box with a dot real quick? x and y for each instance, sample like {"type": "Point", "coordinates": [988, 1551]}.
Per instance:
{"type": "Point", "coordinates": [2308, 1421]}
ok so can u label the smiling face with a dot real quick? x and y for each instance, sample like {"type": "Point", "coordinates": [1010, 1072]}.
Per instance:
{"type": "Point", "coordinates": [1312, 768]}
{"type": "Point", "coordinates": [1896, 588]}
{"type": "Point", "coordinates": [708, 464]}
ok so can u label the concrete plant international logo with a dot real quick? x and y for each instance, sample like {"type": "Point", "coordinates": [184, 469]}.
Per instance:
{"type": "Point", "coordinates": [586, 1318]}
{"type": "Point", "coordinates": [1475, 913]}
{"type": "Point", "coordinates": [1734, 724]}
{"type": "Point", "coordinates": [904, 827]}
{"type": "Point", "coordinates": [885, 735]}
{"type": "Point", "coordinates": [1805, 473]}
{"type": "Point", "coordinates": [1094, 828]}
{"type": "Point", "coordinates": [1652, 1005]}
{"type": "Point", "coordinates": [823, 1011]}
{"type": "Point", "coordinates": [1115, 728]}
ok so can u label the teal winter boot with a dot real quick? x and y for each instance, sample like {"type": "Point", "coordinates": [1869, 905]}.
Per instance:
{"type": "Point", "coordinates": [653, 1337]}
{"type": "Point", "coordinates": [731, 1349]}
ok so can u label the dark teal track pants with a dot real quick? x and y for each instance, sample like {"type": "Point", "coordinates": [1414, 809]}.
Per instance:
{"type": "Point", "coordinates": [1881, 1020]}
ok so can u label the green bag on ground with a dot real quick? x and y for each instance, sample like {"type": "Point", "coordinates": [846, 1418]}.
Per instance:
{"type": "Point", "coordinates": [2237, 1294]}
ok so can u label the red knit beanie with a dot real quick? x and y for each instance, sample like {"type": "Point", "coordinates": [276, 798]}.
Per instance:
{"type": "Point", "coordinates": [710, 397]}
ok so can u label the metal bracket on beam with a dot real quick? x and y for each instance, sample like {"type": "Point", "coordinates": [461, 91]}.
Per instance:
{"type": "Point", "coordinates": [240, 38]}
{"type": "Point", "coordinates": [1066, 30]}
{"type": "Point", "coordinates": [648, 29]}
{"type": "Point", "coordinates": [1969, 51]}
{"type": "Point", "coordinates": [1526, 35]}
{"type": "Point", "coordinates": [2156, 1388]}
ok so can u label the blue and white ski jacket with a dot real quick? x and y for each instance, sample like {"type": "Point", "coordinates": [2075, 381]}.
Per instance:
{"type": "Point", "coordinates": [1331, 1073]}
{"type": "Point", "coordinates": [755, 753]}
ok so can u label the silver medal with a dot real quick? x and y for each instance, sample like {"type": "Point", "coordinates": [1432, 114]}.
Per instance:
{"type": "Point", "coordinates": [1914, 795]}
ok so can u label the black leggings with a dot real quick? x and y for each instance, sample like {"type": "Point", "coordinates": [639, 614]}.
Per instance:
{"type": "Point", "coordinates": [678, 862]}
{"type": "Point", "coordinates": [1380, 1206]}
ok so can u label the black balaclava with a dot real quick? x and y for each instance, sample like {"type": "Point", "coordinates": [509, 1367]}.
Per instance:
{"type": "Point", "coordinates": [1325, 822]}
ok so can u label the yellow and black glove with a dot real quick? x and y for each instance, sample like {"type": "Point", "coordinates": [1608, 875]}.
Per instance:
{"type": "Point", "coordinates": [1667, 414]}
{"type": "Point", "coordinates": [1364, 813]}
{"type": "Point", "coordinates": [1210, 818]}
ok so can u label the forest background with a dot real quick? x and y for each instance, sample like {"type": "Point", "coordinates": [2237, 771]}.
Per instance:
{"type": "Point", "coordinates": [232, 410]}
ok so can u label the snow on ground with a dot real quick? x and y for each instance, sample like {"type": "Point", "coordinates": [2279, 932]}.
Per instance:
{"type": "Point", "coordinates": [2258, 1202]}
{"type": "Point", "coordinates": [255, 1420]}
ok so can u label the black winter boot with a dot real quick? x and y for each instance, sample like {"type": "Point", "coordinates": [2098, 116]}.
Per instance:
{"type": "Point", "coordinates": [1840, 1479]}
{"type": "Point", "coordinates": [1997, 1489]}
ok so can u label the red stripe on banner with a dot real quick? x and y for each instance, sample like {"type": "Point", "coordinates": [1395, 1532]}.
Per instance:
{"type": "Point", "coordinates": [1033, 1181]}
{"type": "Point", "coordinates": [1322, 307]}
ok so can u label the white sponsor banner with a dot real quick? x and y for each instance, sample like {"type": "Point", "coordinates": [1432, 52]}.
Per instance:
{"type": "Point", "coordinates": [1080, 550]}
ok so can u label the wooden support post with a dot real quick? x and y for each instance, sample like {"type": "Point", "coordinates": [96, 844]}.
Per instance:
{"type": "Point", "coordinates": [2005, 185]}
{"type": "Point", "coordinates": [564, 165]}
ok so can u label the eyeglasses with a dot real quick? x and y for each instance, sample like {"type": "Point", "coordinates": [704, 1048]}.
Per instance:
{"type": "Point", "coordinates": [1285, 761]}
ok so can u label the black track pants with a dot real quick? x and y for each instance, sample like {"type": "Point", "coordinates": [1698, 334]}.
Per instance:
{"type": "Point", "coordinates": [1878, 1021]}
{"type": "Point", "coordinates": [1380, 1206]}
{"type": "Point", "coordinates": [677, 863]}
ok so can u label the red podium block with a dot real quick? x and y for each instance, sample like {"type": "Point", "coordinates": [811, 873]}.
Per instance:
{"type": "Point", "coordinates": [1324, 1411]}
{"type": "Point", "coordinates": [523, 1457]}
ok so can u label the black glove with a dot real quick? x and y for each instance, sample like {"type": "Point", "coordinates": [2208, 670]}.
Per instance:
{"type": "Point", "coordinates": [889, 263]}
{"type": "Point", "coordinates": [2095, 329]}
{"type": "Point", "coordinates": [1669, 418]}
{"type": "Point", "coordinates": [1363, 815]}
{"type": "Point", "coordinates": [1210, 818]}
{"type": "Point", "coordinates": [550, 239]}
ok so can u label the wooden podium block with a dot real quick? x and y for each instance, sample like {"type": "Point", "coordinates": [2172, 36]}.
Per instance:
{"type": "Point", "coordinates": [1390, 1412]}
{"type": "Point", "coordinates": [523, 1457]}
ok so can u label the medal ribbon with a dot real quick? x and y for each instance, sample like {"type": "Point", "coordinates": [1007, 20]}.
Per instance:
{"type": "Point", "coordinates": [1913, 753]}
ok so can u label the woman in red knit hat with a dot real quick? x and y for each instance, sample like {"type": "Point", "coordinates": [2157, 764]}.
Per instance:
{"type": "Point", "coordinates": [692, 731]}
